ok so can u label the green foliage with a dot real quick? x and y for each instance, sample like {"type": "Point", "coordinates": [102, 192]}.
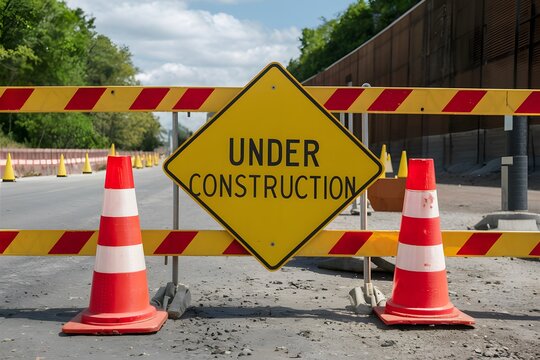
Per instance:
{"type": "Point", "coordinates": [386, 11]}
{"type": "Point", "coordinates": [130, 131]}
{"type": "Point", "coordinates": [68, 131]}
{"type": "Point", "coordinates": [50, 40]}
{"type": "Point", "coordinates": [109, 64]}
{"type": "Point", "coordinates": [7, 142]}
{"type": "Point", "coordinates": [183, 134]}
{"type": "Point", "coordinates": [43, 42]}
{"type": "Point", "coordinates": [313, 55]}
{"type": "Point", "coordinates": [333, 39]}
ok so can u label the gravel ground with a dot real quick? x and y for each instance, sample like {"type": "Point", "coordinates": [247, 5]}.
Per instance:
{"type": "Point", "coordinates": [239, 309]}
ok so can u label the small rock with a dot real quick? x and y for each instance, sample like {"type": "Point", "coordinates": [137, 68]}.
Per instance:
{"type": "Point", "coordinates": [218, 351]}
{"type": "Point", "coordinates": [488, 353]}
{"type": "Point", "coordinates": [478, 351]}
{"type": "Point", "coordinates": [281, 348]}
{"type": "Point", "coordinates": [388, 343]}
{"type": "Point", "coordinates": [245, 352]}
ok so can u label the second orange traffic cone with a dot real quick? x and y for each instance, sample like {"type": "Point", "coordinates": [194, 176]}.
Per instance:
{"type": "Point", "coordinates": [119, 301]}
{"type": "Point", "coordinates": [420, 292]}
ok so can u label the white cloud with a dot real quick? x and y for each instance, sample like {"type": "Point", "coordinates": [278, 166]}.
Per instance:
{"type": "Point", "coordinates": [174, 44]}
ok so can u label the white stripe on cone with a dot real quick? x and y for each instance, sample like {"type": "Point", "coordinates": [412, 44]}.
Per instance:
{"type": "Point", "coordinates": [420, 258]}
{"type": "Point", "coordinates": [119, 203]}
{"type": "Point", "coordinates": [421, 204]}
{"type": "Point", "coordinates": [119, 259]}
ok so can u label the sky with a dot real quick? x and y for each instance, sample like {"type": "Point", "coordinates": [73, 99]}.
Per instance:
{"type": "Point", "coordinates": [206, 42]}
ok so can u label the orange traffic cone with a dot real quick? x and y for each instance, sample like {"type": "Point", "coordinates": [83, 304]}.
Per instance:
{"type": "Point", "coordinates": [119, 302]}
{"type": "Point", "coordinates": [420, 292]}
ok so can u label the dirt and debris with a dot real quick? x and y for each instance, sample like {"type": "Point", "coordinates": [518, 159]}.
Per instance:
{"type": "Point", "coordinates": [241, 310]}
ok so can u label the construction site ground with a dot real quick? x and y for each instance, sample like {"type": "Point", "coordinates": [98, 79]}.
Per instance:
{"type": "Point", "coordinates": [240, 309]}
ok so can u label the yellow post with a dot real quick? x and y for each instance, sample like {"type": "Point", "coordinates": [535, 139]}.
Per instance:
{"type": "Point", "coordinates": [61, 167]}
{"type": "Point", "coordinates": [132, 161]}
{"type": "Point", "coordinates": [87, 169]}
{"type": "Point", "coordinates": [9, 175]}
{"type": "Point", "coordinates": [403, 171]}
{"type": "Point", "coordinates": [138, 162]}
{"type": "Point", "coordinates": [112, 152]}
{"type": "Point", "coordinates": [383, 159]}
{"type": "Point", "coordinates": [156, 159]}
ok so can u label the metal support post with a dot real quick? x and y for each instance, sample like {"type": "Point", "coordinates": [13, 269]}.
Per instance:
{"type": "Point", "coordinates": [175, 298]}
{"type": "Point", "coordinates": [350, 125]}
{"type": "Point", "coordinates": [363, 197]}
{"type": "Point", "coordinates": [514, 214]}
{"type": "Point", "coordinates": [517, 172]}
{"type": "Point", "coordinates": [363, 202]}
{"type": "Point", "coordinates": [365, 298]}
{"type": "Point", "coordinates": [175, 197]}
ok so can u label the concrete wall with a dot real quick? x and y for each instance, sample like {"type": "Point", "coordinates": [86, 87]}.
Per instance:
{"type": "Point", "coordinates": [35, 162]}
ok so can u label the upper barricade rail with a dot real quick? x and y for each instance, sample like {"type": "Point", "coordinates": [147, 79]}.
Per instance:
{"type": "Point", "coordinates": [385, 100]}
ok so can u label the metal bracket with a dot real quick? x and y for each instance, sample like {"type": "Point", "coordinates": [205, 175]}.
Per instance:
{"type": "Point", "coordinates": [364, 298]}
{"type": "Point", "coordinates": [175, 299]}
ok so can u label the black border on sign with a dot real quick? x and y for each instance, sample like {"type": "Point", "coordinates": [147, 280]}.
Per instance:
{"type": "Point", "coordinates": [218, 115]}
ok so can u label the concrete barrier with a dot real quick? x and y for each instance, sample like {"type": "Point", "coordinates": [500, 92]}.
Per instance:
{"type": "Point", "coordinates": [36, 162]}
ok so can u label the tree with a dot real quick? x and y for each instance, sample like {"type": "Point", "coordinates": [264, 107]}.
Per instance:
{"type": "Point", "coordinates": [333, 39]}
{"type": "Point", "coordinates": [312, 50]}
{"type": "Point", "coordinates": [47, 38]}
{"type": "Point", "coordinates": [43, 42]}
{"type": "Point", "coordinates": [68, 131]}
{"type": "Point", "coordinates": [130, 131]}
{"type": "Point", "coordinates": [109, 64]}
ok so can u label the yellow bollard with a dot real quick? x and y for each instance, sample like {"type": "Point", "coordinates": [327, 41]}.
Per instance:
{"type": "Point", "coordinates": [61, 167]}
{"type": "Point", "coordinates": [383, 159]}
{"type": "Point", "coordinates": [138, 162]}
{"type": "Point", "coordinates": [112, 152]}
{"type": "Point", "coordinates": [403, 171]}
{"type": "Point", "coordinates": [156, 159]}
{"type": "Point", "coordinates": [87, 169]}
{"type": "Point", "coordinates": [132, 161]}
{"type": "Point", "coordinates": [9, 175]}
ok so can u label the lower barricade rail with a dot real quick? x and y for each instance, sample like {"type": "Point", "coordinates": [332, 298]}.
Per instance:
{"type": "Point", "coordinates": [331, 243]}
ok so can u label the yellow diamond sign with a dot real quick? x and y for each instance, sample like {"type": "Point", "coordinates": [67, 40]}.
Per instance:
{"type": "Point", "coordinates": [273, 167]}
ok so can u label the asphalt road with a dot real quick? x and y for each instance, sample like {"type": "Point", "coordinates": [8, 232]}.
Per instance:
{"type": "Point", "coordinates": [240, 309]}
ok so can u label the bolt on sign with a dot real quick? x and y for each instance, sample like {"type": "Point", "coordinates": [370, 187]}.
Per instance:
{"type": "Point", "coordinates": [273, 167]}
